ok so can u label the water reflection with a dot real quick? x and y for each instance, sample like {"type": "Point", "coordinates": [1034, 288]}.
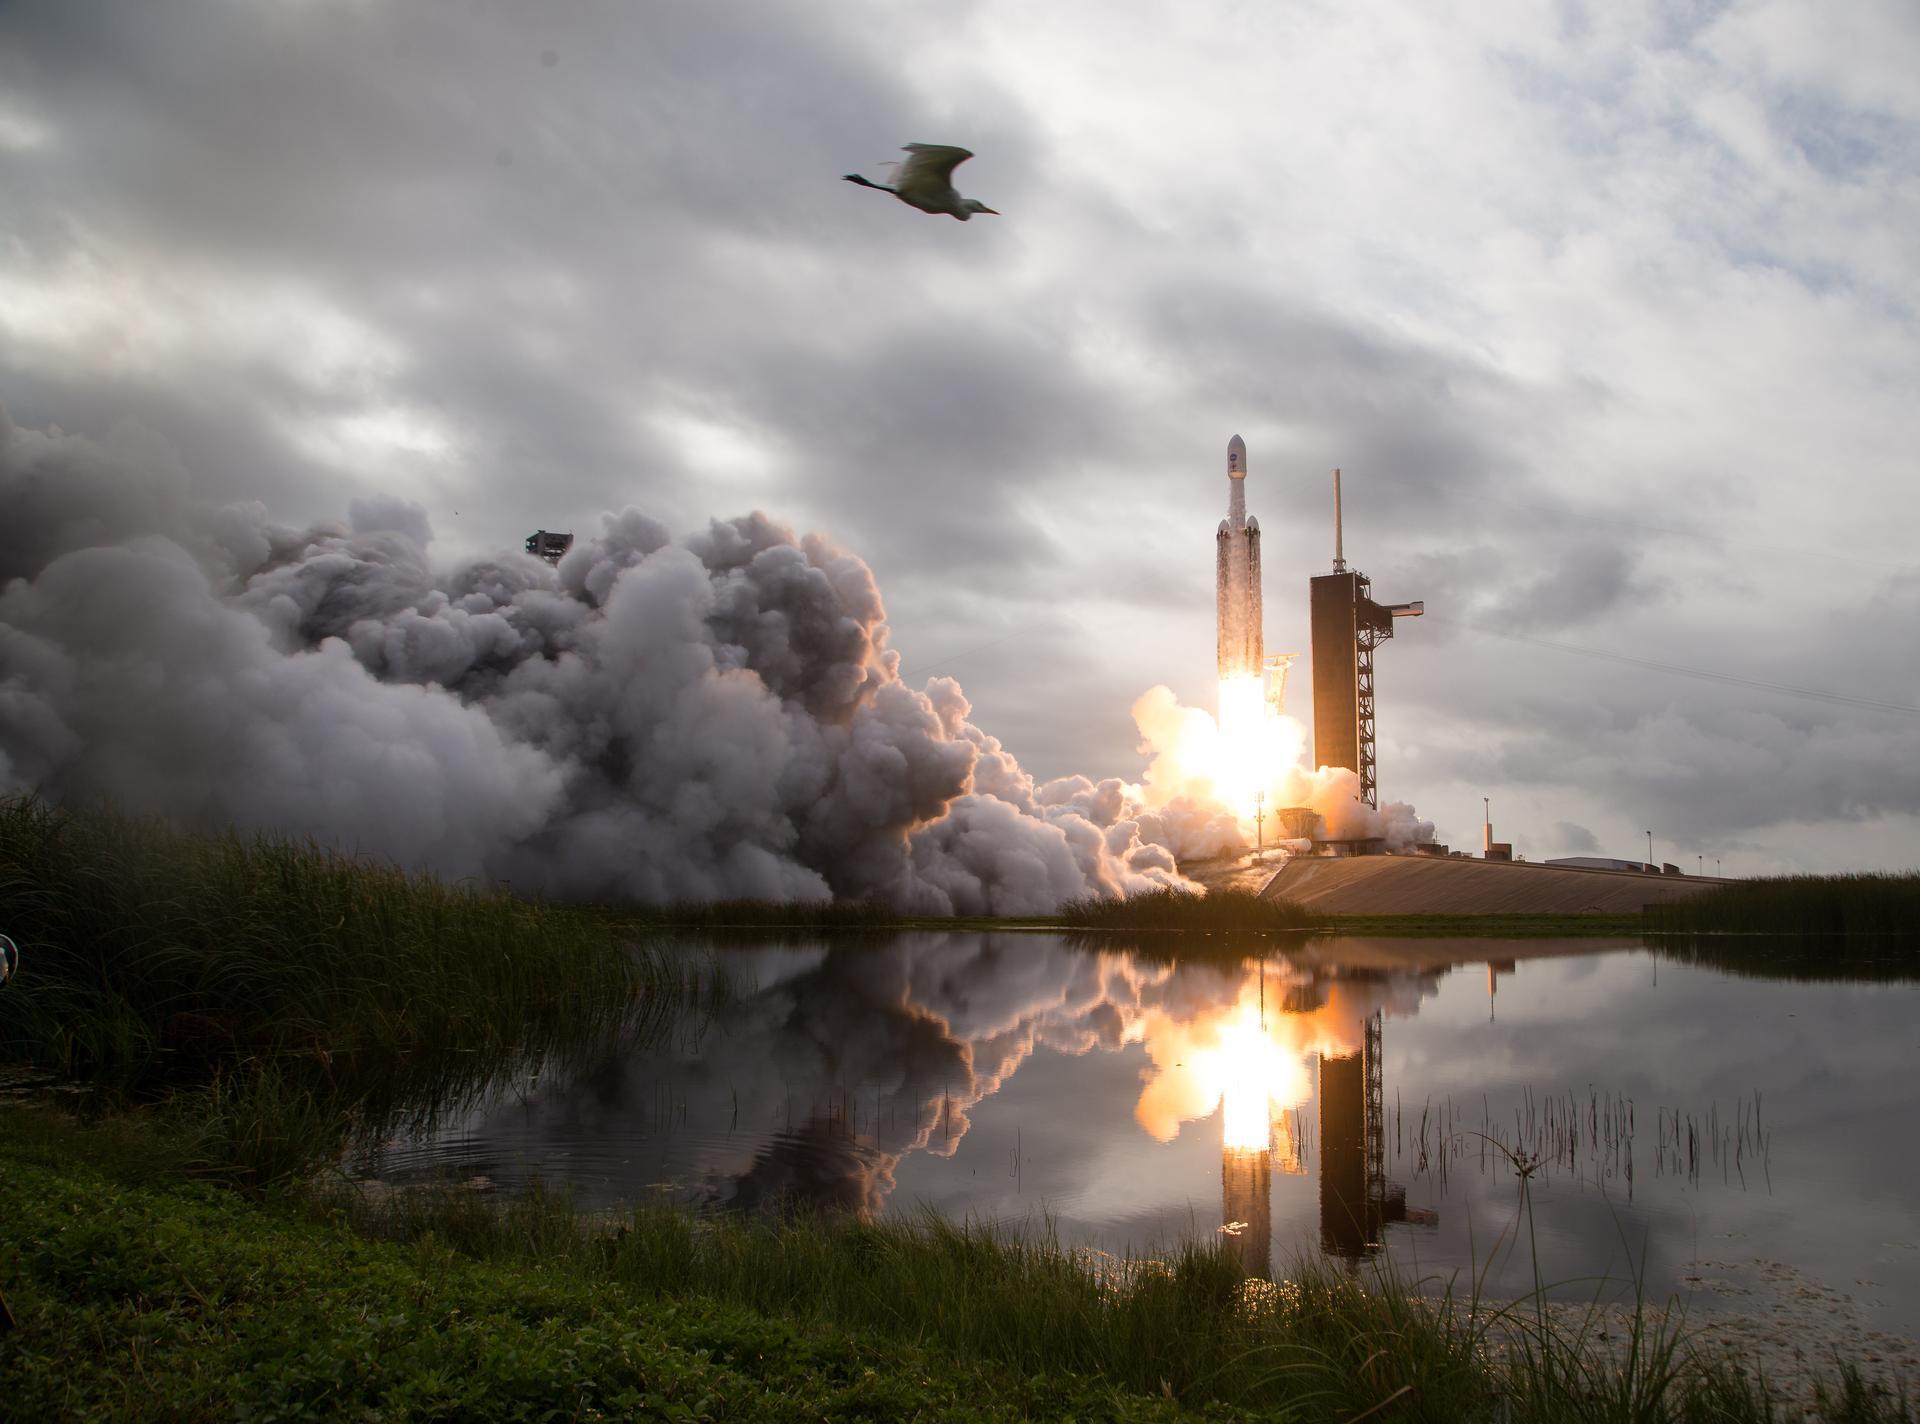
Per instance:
{"type": "Point", "coordinates": [1353, 1095]}
{"type": "Point", "coordinates": [827, 1068]}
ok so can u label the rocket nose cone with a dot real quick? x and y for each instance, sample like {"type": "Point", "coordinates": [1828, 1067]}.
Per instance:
{"type": "Point", "coordinates": [1237, 457]}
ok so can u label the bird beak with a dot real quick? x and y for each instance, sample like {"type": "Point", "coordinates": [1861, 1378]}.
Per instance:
{"type": "Point", "coordinates": [994, 211]}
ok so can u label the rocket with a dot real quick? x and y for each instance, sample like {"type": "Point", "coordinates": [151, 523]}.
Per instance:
{"type": "Point", "coordinates": [1237, 575]}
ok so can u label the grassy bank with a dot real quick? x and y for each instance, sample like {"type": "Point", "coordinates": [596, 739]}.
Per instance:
{"type": "Point", "coordinates": [284, 994]}
{"type": "Point", "coordinates": [155, 958]}
{"type": "Point", "coordinates": [141, 1297]}
{"type": "Point", "coordinates": [1854, 906]}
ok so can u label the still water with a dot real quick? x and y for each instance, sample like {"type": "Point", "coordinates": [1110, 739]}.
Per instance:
{"type": "Point", "coordinates": [1720, 1137]}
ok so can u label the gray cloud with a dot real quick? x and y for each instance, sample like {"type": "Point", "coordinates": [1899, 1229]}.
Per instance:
{"type": "Point", "coordinates": [1592, 353]}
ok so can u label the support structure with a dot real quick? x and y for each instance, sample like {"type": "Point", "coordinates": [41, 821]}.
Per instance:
{"type": "Point", "coordinates": [1376, 1123]}
{"type": "Point", "coordinates": [1347, 626]}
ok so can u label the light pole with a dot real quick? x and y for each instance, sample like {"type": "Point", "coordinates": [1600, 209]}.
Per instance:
{"type": "Point", "coordinates": [1259, 827]}
{"type": "Point", "coordinates": [1703, 863]}
{"type": "Point", "coordinates": [1650, 864]}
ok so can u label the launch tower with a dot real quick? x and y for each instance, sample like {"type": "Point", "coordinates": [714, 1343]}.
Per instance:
{"type": "Point", "coordinates": [1347, 626]}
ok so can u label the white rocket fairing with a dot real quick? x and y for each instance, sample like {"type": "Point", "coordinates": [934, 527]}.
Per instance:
{"type": "Point", "coordinates": [1237, 575]}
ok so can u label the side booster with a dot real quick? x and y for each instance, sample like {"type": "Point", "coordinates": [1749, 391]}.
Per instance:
{"type": "Point", "coordinates": [1237, 575]}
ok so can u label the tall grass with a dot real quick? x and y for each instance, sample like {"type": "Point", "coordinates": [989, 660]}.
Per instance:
{"type": "Point", "coordinates": [1188, 1325]}
{"type": "Point", "coordinates": [295, 985]}
{"type": "Point", "coordinates": [1179, 910]}
{"type": "Point", "coordinates": [1320, 1343]}
{"type": "Point", "coordinates": [1836, 905]}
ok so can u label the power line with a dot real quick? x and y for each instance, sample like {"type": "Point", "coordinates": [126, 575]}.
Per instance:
{"type": "Point", "coordinates": [1703, 674]}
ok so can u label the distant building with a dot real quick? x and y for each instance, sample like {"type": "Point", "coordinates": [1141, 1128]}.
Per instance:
{"type": "Point", "coordinates": [1596, 862]}
{"type": "Point", "coordinates": [543, 544]}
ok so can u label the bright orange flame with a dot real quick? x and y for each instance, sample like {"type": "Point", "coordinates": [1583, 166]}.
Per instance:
{"type": "Point", "coordinates": [1243, 748]}
{"type": "Point", "coordinates": [1249, 750]}
{"type": "Point", "coordinates": [1230, 1061]}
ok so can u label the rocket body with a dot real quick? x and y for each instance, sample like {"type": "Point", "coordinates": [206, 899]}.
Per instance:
{"type": "Point", "coordinates": [1237, 576]}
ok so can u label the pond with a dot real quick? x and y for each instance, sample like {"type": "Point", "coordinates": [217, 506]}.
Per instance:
{"type": "Point", "coordinates": [1738, 1142]}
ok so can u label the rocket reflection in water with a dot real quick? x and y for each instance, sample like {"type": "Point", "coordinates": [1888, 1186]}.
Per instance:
{"type": "Point", "coordinates": [1356, 1200]}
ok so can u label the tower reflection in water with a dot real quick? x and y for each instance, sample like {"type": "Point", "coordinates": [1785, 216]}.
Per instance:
{"type": "Point", "coordinates": [1357, 1202]}
{"type": "Point", "coordinates": [1356, 1199]}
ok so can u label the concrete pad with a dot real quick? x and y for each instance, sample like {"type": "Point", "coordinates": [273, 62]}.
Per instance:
{"type": "Point", "coordinates": [1435, 885]}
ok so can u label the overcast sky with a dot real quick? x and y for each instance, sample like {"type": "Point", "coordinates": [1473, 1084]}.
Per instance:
{"type": "Point", "coordinates": [1607, 312]}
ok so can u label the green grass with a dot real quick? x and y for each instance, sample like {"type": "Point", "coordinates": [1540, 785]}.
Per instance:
{"type": "Point", "coordinates": [142, 1300]}
{"type": "Point", "coordinates": [144, 1297]}
{"type": "Point", "coordinates": [1853, 906]}
{"type": "Point", "coordinates": [1179, 910]}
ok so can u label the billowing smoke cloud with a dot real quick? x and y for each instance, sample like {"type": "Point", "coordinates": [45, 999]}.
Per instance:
{"type": "Point", "coordinates": [651, 720]}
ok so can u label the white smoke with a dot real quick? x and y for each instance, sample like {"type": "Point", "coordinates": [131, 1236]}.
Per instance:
{"type": "Point", "coordinates": [1179, 799]}
{"type": "Point", "coordinates": [651, 720]}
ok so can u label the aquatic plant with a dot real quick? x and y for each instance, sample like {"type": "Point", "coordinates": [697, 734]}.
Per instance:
{"type": "Point", "coordinates": [1590, 1135]}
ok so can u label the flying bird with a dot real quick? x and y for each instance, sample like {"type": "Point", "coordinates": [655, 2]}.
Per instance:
{"type": "Point", "coordinates": [925, 181]}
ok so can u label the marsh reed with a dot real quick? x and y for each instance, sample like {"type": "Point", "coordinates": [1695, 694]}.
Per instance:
{"type": "Point", "coordinates": [1858, 905]}
{"type": "Point", "coordinates": [293, 988]}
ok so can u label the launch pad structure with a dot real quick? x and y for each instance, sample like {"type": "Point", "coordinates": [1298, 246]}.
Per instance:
{"type": "Point", "coordinates": [1347, 625]}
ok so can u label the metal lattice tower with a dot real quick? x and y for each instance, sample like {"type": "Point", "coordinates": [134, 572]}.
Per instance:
{"type": "Point", "coordinates": [1376, 1119]}
{"type": "Point", "coordinates": [1368, 635]}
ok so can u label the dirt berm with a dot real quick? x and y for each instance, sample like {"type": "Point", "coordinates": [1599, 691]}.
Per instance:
{"type": "Point", "coordinates": [1430, 885]}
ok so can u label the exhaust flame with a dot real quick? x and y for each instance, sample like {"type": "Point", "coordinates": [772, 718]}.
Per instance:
{"type": "Point", "coordinates": [1249, 747]}
{"type": "Point", "coordinates": [1249, 1060]}
{"type": "Point", "coordinates": [1245, 763]}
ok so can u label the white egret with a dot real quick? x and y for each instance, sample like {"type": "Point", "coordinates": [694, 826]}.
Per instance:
{"type": "Point", "coordinates": [925, 181]}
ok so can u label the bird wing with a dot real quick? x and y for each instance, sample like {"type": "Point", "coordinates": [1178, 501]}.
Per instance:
{"type": "Point", "coordinates": [930, 164]}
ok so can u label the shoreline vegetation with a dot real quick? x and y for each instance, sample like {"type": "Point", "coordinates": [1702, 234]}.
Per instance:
{"type": "Point", "coordinates": [236, 1010]}
{"type": "Point", "coordinates": [444, 1303]}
